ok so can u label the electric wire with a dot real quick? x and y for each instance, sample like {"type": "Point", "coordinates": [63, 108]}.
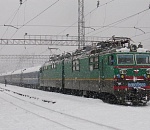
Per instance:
{"type": "Point", "coordinates": [89, 25]}
{"type": "Point", "coordinates": [138, 20]}
{"type": "Point", "coordinates": [15, 13]}
{"type": "Point", "coordinates": [99, 6]}
{"type": "Point", "coordinates": [63, 26]}
{"type": "Point", "coordinates": [104, 16]}
{"type": "Point", "coordinates": [11, 21]}
{"type": "Point", "coordinates": [24, 12]}
{"type": "Point", "coordinates": [116, 22]}
{"type": "Point", "coordinates": [85, 16]}
{"type": "Point", "coordinates": [140, 34]}
{"type": "Point", "coordinates": [35, 17]}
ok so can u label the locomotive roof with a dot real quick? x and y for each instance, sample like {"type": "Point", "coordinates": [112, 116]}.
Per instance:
{"type": "Point", "coordinates": [113, 45]}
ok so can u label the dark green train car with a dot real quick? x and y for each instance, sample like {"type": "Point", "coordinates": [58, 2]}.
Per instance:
{"type": "Point", "coordinates": [87, 74]}
{"type": "Point", "coordinates": [51, 76]}
{"type": "Point", "coordinates": [114, 75]}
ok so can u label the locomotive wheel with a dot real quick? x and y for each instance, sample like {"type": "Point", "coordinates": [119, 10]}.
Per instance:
{"type": "Point", "coordinates": [110, 98]}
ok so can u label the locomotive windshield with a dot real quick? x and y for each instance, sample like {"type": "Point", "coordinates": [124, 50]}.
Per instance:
{"type": "Point", "coordinates": [128, 59]}
{"type": "Point", "coordinates": [142, 59]}
{"type": "Point", "coordinates": [125, 59]}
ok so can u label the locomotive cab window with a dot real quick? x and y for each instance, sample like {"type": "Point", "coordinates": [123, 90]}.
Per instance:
{"type": "Point", "coordinates": [125, 59]}
{"type": "Point", "coordinates": [75, 65]}
{"type": "Point", "coordinates": [142, 59]}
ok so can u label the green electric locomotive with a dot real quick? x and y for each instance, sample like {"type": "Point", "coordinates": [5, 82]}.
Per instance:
{"type": "Point", "coordinates": [114, 71]}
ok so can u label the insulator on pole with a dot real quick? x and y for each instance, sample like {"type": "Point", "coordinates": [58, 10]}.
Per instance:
{"type": "Point", "coordinates": [98, 3]}
{"type": "Point", "coordinates": [20, 2]}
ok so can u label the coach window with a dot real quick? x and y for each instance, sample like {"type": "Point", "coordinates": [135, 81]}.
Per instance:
{"type": "Point", "coordinates": [110, 60]}
{"type": "Point", "coordinates": [75, 65]}
{"type": "Point", "coordinates": [93, 63]}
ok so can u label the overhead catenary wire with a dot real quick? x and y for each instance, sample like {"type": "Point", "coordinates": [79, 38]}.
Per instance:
{"type": "Point", "coordinates": [104, 16]}
{"type": "Point", "coordinates": [140, 34]}
{"type": "Point", "coordinates": [138, 20]}
{"type": "Point", "coordinates": [64, 26]}
{"type": "Point", "coordinates": [9, 25]}
{"type": "Point", "coordinates": [10, 21]}
{"type": "Point", "coordinates": [139, 29]}
{"type": "Point", "coordinates": [117, 22]}
{"type": "Point", "coordinates": [85, 16]}
{"type": "Point", "coordinates": [24, 12]}
{"type": "Point", "coordinates": [36, 16]}
{"type": "Point", "coordinates": [14, 15]}
{"type": "Point", "coordinates": [100, 6]}
{"type": "Point", "coordinates": [139, 41]}
{"type": "Point", "coordinates": [15, 11]}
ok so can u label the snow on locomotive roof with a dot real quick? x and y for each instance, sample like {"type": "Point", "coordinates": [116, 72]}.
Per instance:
{"type": "Point", "coordinates": [142, 50]}
{"type": "Point", "coordinates": [128, 50]}
{"type": "Point", "coordinates": [25, 70]}
{"type": "Point", "coordinates": [123, 50]}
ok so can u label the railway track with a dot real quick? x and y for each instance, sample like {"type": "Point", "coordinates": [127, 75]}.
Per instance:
{"type": "Point", "coordinates": [63, 116]}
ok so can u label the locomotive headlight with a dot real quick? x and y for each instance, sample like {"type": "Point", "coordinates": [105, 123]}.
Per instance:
{"type": "Point", "coordinates": [123, 71]}
{"type": "Point", "coordinates": [122, 76]}
{"type": "Point", "coordinates": [148, 71]}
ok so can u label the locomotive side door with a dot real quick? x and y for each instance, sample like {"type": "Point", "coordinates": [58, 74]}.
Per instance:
{"type": "Point", "coordinates": [63, 76]}
{"type": "Point", "coordinates": [101, 73]}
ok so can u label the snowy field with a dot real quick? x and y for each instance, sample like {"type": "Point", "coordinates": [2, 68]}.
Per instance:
{"type": "Point", "coordinates": [29, 109]}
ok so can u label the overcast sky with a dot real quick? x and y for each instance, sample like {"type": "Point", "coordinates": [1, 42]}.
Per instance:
{"type": "Point", "coordinates": [64, 13]}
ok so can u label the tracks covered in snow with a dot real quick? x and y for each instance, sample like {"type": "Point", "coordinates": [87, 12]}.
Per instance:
{"type": "Point", "coordinates": [35, 110]}
{"type": "Point", "coordinates": [71, 118]}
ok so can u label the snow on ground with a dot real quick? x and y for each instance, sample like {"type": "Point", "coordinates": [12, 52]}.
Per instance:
{"type": "Point", "coordinates": [29, 109]}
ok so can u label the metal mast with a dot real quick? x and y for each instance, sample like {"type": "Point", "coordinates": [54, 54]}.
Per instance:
{"type": "Point", "coordinates": [81, 24]}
